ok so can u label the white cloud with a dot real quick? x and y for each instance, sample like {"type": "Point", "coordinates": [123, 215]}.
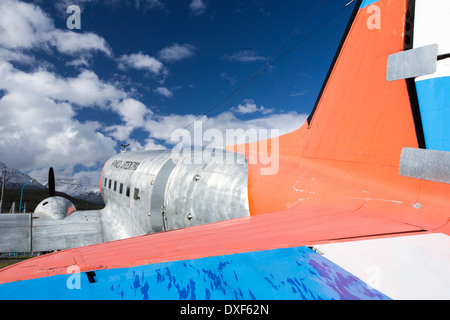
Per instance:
{"type": "Point", "coordinates": [39, 108]}
{"type": "Point", "coordinates": [164, 92]}
{"type": "Point", "coordinates": [81, 62]}
{"type": "Point", "coordinates": [14, 55]}
{"type": "Point", "coordinates": [25, 26]}
{"type": "Point", "coordinates": [119, 132]}
{"type": "Point", "coordinates": [176, 52]}
{"type": "Point", "coordinates": [197, 7]}
{"type": "Point", "coordinates": [132, 112]}
{"type": "Point", "coordinates": [162, 127]}
{"type": "Point", "coordinates": [85, 90]}
{"type": "Point", "coordinates": [141, 61]}
{"type": "Point", "coordinates": [38, 125]}
{"type": "Point", "coordinates": [150, 144]}
{"type": "Point", "coordinates": [251, 107]}
{"type": "Point", "coordinates": [271, 125]}
{"type": "Point", "coordinates": [244, 56]}
{"type": "Point", "coordinates": [72, 43]}
{"type": "Point", "coordinates": [47, 134]}
{"type": "Point", "coordinates": [168, 128]}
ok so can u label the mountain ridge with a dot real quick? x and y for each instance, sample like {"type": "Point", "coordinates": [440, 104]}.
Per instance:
{"type": "Point", "coordinates": [81, 189]}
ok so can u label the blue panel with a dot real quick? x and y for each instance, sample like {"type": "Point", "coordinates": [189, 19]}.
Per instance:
{"type": "Point", "coordinates": [288, 274]}
{"type": "Point", "coordinates": [366, 3]}
{"type": "Point", "coordinates": [434, 103]}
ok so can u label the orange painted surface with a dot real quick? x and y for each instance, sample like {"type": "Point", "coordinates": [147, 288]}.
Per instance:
{"type": "Point", "coordinates": [351, 151]}
{"type": "Point", "coordinates": [338, 178]}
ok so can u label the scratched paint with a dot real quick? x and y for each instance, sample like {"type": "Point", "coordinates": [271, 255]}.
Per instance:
{"type": "Point", "coordinates": [294, 273]}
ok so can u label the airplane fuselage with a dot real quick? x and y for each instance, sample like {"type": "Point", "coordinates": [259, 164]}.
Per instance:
{"type": "Point", "coordinates": [152, 191]}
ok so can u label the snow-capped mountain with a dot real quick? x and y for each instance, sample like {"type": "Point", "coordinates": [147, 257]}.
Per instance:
{"type": "Point", "coordinates": [80, 189]}
{"type": "Point", "coordinates": [16, 179]}
{"type": "Point", "coordinates": [76, 188]}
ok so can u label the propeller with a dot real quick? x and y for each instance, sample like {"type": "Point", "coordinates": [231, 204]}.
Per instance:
{"type": "Point", "coordinates": [51, 182]}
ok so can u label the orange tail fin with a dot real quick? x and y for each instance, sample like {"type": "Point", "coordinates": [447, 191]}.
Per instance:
{"type": "Point", "coordinates": [360, 116]}
{"type": "Point", "coordinates": [348, 153]}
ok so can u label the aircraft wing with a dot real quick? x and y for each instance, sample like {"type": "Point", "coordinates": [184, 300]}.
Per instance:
{"type": "Point", "coordinates": [81, 228]}
{"type": "Point", "coordinates": [335, 182]}
{"type": "Point", "coordinates": [269, 259]}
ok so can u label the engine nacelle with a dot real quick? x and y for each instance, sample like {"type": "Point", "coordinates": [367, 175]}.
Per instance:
{"type": "Point", "coordinates": [56, 207]}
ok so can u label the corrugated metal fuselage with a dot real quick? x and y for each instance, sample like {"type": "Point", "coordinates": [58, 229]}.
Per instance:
{"type": "Point", "coordinates": [152, 191]}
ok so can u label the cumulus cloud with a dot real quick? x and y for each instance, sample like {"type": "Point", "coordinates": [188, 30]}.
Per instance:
{"type": "Point", "coordinates": [25, 26]}
{"type": "Point", "coordinates": [16, 56]}
{"type": "Point", "coordinates": [38, 124]}
{"type": "Point", "coordinates": [176, 52]}
{"type": "Point", "coordinates": [174, 128]}
{"type": "Point", "coordinates": [84, 90]}
{"type": "Point", "coordinates": [119, 132]}
{"type": "Point", "coordinates": [39, 107]}
{"type": "Point", "coordinates": [141, 61]}
{"type": "Point", "coordinates": [249, 106]}
{"type": "Point", "coordinates": [72, 43]}
{"type": "Point", "coordinates": [132, 112]}
{"type": "Point", "coordinates": [164, 92]}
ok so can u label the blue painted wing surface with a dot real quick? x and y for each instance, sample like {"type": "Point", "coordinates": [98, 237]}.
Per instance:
{"type": "Point", "coordinates": [282, 274]}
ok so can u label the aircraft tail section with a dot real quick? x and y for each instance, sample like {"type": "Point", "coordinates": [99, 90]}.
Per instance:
{"type": "Point", "coordinates": [360, 115]}
{"type": "Point", "coordinates": [348, 154]}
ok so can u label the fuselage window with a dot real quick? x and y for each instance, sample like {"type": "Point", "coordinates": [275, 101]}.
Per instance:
{"type": "Point", "coordinates": [109, 184]}
{"type": "Point", "coordinates": [136, 194]}
{"type": "Point", "coordinates": [128, 191]}
{"type": "Point", "coordinates": [115, 185]}
{"type": "Point", "coordinates": [121, 188]}
{"type": "Point", "coordinates": [106, 181]}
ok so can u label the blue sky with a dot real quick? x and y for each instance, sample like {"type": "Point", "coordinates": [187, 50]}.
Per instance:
{"type": "Point", "coordinates": [137, 70]}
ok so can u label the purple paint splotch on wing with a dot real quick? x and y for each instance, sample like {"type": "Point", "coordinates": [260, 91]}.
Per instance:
{"type": "Point", "coordinates": [346, 285]}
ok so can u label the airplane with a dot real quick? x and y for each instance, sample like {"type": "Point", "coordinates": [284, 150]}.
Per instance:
{"type": "Point", "coordinates": [365, 181]}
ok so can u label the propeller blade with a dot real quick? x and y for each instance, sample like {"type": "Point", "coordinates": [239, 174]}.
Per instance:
{"type": "Point", "coordinates": [51, 182]}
